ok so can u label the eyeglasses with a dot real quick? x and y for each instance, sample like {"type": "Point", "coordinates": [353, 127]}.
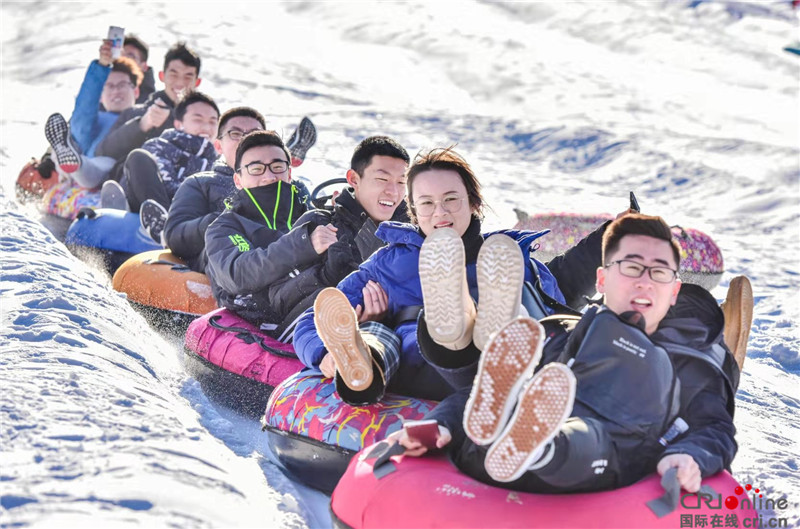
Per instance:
{"type": "Point", "coordinates": [122, 85]}
{"type": "Point", "coordinates": [659, 274]}
{"type": "Point", "coordinates": [450, 204]}
{"type": "Point", "coordinates": [236, 134]}
{"type": "Point", "coordinates": [259, 168]}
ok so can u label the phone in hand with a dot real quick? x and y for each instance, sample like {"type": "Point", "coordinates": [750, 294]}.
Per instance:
{"type": "Point", "coordinates": [634, 203]}
{"type": "Point", "coordinates": [425, 432]}
{"type": "Point", "coordinates": [117, 37]}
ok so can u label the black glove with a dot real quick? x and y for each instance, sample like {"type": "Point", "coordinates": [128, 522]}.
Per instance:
{"type": "Point", "coordinates": [339, 261]}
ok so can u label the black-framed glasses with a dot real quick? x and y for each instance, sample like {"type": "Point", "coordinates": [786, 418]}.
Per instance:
{"type": "Point", "coordinates": [659, 274]}
{"type": "Point", "coordinates": [259, 168]}
{"type": "Point", "coordinates": [235, 134]}
{"type": "Point", "coordinates": [426, 206]}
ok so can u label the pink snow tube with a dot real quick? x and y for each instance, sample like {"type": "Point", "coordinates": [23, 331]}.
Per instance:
{"type": "Point", "coordinates": [245, 351]}
{"type": "Point", "coordinates": [701, 258]}
{"type": "Point", "coordinates": [431, 492]}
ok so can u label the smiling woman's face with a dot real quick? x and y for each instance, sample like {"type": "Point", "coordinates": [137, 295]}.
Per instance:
{"type": "Point", "coordinates": [445, 189]}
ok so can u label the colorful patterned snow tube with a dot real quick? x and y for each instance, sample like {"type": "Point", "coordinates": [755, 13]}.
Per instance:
{"type": "Point", "coordinates": [701, 258]}
{"type": "Point", "coordinates": [431, 492]}
{"type": "Point", "coordinates": [161, 281]}
{"type": "Point", "coordinates": [67, 198]}
{"type": "Point", "coordinates": [314, 434]}
{"type": "Point", "coordinates": [237, 364]}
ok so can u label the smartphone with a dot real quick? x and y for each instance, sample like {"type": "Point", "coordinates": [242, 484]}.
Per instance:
{"type": "Point", "coordinates": [425, 432]}
{"type": "Point", "coordinates": [634, 203]}
{"type": "Point", "coordinates": [117, 37]}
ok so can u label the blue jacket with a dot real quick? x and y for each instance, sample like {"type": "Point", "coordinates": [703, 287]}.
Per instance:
{"type": "Point", "coordinates": [396, 268]}
{"type": "Point", "coordinates": [180, 155]}
{"type": "Point", "coordinates": [88, 124]}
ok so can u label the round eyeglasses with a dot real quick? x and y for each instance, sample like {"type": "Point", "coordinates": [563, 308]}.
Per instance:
{"type": "Point", "coordinates": [659, 274]}
{"type": "Point", "coordinates": [426, 206]}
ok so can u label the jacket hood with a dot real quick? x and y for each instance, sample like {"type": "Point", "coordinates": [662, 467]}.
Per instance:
{"type": "Point", "coordinates": [697, 322]}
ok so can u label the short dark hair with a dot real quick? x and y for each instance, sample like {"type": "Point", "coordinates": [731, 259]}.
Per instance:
{"type": "Point", "coordinates": [236, 112]}
{"type": "Point", "coordinates": [181, 52]}
{"type": "Point", "coordinates": [638, 224]}
{"type": "Point", "coordinates": [376, 146]}
{"type": "Point", "coordinates": [129, 67]}
{"type": "Point", "coordinates": [446, 159]}
{"type": "Point", "coordinates": [137, 43]}
{"type": "Point", "coordinates": [191, 98]}
{"type": "Point", "coordinates": [257, 138]}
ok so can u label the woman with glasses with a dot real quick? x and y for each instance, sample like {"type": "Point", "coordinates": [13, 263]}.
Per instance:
{"type": "Point", "coordinates": [365, 333]}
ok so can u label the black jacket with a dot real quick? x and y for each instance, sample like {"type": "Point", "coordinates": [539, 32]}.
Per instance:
{"type": "Point", "coordinates": [575, 269]}
{"type": "Point", "coordinates": [200, 199]}
{"type": "Point", "coordinates": [708, 376]}
{"type": "Point", "coordinates": [126, 135]}
{"type": "Point", "coordinates": [250, 247]}
{"type": "Point", "coordinates": [147, 87]}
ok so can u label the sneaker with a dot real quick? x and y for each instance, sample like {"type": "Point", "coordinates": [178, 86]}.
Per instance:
{"type": "Point", "coordinates": [543, 405]}
{"type": "Point", "coordinates": [337, 326]}
{"type": "Point", "coordinates": [153, 218]}
{"type": "Point", "coordinates": [449, 309]}
{"type": "Point", "coordinates": [501, 272]}
{"type": "Point", "coordinates": [738, 311]}
{"type": "Point", "coordinates": [301, 140]}
{"type": "Point", "coordinates": [505, 364]}
{"type": "Point", "coordinates": [112, 196]}
{"type": "Point", "coordinates": [56, 130]}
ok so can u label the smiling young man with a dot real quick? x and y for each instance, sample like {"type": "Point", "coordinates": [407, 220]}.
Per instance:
{"type": "Point", "coordinates": [153, 173]}
{"type": "Point", "coordinates": [256, 245]}
{"type": "Point", "coordinates": [649, 386]}
{"type": "Point", "coordinates": [110, 83]}
{"type": "Point", "coordinates": [145, 121]}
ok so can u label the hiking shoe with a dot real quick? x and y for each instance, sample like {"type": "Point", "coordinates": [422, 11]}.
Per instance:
{"type": "Point", "coordinates": [338, 328]}
{"type": "Point", "coordinates": [505, 364]}
{"type": "Point", "coordinates": [738, 311]}
{"type": "Point", "coordinates": [543, 405]}
{"type": "Point", "coordinates": [501, 272]}
{"type": "Point", "coordinates": [112, 196]}
{"type": "Point", "coordinates": [301, 140]}
{"type": "Point", "coordinates": [153, 218]}
{"type": "Point", "coordinates": [56, 130]}
{"type": "Point", "coordinates": [449, 309]}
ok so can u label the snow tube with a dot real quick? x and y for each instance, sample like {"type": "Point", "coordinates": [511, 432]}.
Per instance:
{"type": "Point", "coordinates": [313, 434]}
{"type": "Point", "coordinates": [701, 259]}
{"type": "Point", "coordinates": [431, 492]}
{"type": "Point", "coordinates": [67, 198]}
{"type": "Point", "coordinates": [161, 285]}
{"type": "Point", "coordinates": [113, 234]}
{"type": "Point", "coordinates": [31, 183]}
{"type": "Point", "coordinates": [236, 364]}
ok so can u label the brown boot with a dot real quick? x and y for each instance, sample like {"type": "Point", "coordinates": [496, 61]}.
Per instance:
{"type": "Point", "coordinates": [338, 328]}
{"type": "Point", "coordinates": [449, 309]}
{"type": "Point", "coordinates": [738, 311]}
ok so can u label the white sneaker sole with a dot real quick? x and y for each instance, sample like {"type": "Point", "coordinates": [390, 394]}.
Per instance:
{"type": "Point", "coordinates": [543, 406]}
{"type": "Point", "coordinates": [505, 365]}
{"type": "Point", "coordinates": [337, 326]}
{"type": "Point", "coordinates": [442, 275]}
{"type": "Point", "coordinates": [501, 273]}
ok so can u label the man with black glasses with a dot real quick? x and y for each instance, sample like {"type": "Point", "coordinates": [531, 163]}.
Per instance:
{"type": "Point", "coordinates": [254, 245]}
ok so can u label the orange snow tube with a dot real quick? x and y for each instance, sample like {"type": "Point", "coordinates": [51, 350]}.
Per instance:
{"type": "Point", "coordinates": [161, 280]}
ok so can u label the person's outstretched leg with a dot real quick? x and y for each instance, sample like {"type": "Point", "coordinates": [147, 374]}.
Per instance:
{"type": "Point", "coordinates": [141, 180]}
{"type": "Point", "coordinates": [542, 407]}
{"type": "Point", "coordinates": [506, 364]}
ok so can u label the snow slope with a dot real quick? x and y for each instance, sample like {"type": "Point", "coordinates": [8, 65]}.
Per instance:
{"type": "Point", "coordinates": [559, 106]}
